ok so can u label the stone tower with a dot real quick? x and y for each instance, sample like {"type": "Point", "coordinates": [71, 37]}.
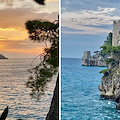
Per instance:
{"type": "Point", "coordinates": [87, 55]}
{"type": "Point", "coordinates": [116, 33]}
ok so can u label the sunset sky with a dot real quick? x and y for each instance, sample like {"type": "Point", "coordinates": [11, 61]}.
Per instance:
{"type": "Point", "coordinates": [86, 24]}
{"type": "Point", "coordinates": [14, 41]}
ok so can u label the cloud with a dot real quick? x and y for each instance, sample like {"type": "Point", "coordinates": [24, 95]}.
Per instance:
{"type": "Point", "coordinates": [87, 20]}
{"type": "Point", "coordinates": [17, 18]}
{"type": "Point", "coordinates": [13, 34]}
{"type": "Point", "coordinates": [89, 4]}
{"type": "Point", "coordinates": [12, 22]}
{"type": "Point", "coordinates": [24, 44]}
{"type": "Point", "coordinates": [31, 4]}
{"type": "Point", "coordinates": [24, 48]}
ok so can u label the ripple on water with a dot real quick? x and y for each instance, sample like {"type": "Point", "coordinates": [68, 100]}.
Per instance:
{"type": "Point", "coordinates": [80, 95]}
{"type": "Point", "coordinates": [13, 93]}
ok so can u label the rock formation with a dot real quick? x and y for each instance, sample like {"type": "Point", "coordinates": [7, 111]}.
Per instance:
{"type": "Point", "coordinates": [110, 83]}
{"type": "Point", "coordinates": [95, 60]}
{"type": "Point", "coordinates": [2, 57]}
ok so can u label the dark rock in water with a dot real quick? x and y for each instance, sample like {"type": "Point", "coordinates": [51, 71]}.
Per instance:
{"type": "Point", "coordinates": [118, 106]}
{"type": "Point", "coordinates": [117, 97]}
{"type": "Point", "coordinates": [107, 96]}
{"type": "Point", "coordinates": [2, 57]}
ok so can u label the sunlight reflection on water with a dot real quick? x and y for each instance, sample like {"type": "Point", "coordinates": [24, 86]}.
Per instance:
{"type": "Point", "coordinates": [13, 93]}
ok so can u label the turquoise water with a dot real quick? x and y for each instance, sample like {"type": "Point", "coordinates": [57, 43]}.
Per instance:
{"type": "Point", "coordinates": [13, 93]}
{"type": "Point", "coordinates": [80, 95]}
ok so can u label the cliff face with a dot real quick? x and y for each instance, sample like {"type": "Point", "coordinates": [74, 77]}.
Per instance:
{"type": "Point", "coordinates": [93, 62]}
{"type": "Point", "coordinates": [110, 84]}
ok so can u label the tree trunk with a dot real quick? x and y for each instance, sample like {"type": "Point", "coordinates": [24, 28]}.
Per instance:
{"type": "Point", "coordinates": [53, 113]}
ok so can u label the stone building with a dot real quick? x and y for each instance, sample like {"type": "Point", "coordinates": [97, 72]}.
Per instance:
{"type": "Point", "coordinates": [116, 33]}
{"type": "Point", "coordinates": [95, 60]}
{"type": "Point", "coordinates": [87, 55]}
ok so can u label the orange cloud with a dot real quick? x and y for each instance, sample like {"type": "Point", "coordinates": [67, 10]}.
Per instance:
{"type": "Point", "coordinates": [24, 48]}
{"type": "Point", "coordinates": [13, 34]}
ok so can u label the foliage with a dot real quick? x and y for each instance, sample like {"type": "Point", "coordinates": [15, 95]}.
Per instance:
{"type": "Point", "coordinates": [109, 39]}
{"type": "Point", "coordinates": [107, 47]}
{"type": "Point", "coordinates": [97, 52]}
{"type": "Point", "coordinates": [42, 31]}
{"type": "Point", "coordinates": [103, 71]}
{"type": "Point", "coordinates": [115, 49]}
{"type": "Point", "coordinates": [109, 60]}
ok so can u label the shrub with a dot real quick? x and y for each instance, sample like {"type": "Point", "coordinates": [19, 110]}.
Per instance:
{"type": "Point", "coordinates": [109, 60]}
{"type": "Point", "coordinates": [104, 71]}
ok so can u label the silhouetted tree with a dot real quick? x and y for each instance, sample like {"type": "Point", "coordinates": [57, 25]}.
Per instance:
{"type": "Point", "coordinates": [40, 2]}
{"type": "Point", "coordinates": [43, 31]}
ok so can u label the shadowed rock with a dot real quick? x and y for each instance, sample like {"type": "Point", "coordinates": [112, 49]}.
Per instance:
{"type": "Point", "coordinates": [118, 106]}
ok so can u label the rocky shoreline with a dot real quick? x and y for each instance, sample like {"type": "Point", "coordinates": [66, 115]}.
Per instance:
{"type": "Point", "coordinates": [110, 84]}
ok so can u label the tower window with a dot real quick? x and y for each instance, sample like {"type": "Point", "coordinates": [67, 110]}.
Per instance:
{"type": "Point", "coordinates": [119, 32]}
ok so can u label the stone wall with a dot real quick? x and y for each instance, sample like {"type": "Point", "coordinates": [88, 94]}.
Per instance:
{"type": "Point", "coordinates": [116, 33]}
{"type": "Point", "coordinates": [115, 56]}
{"type": "Point", "coordinates": [87, 54]}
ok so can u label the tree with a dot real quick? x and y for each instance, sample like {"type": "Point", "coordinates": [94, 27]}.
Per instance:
{"type": "Point", "coordinates": [107, 47]}
{"type": "Point", "coordinates": [109, 39]}
{"type": "Point", "coordinates": [43, 31]}
{"type": "Point", "coordinates": [40, 2]}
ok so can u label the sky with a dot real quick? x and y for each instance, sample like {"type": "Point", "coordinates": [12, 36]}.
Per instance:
{"type": "Point", "coordinates": [14, 38]}
{"type": "Point", "coordinates": [86, 24]}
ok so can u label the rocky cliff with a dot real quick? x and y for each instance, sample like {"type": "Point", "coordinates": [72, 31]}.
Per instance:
{"type": "Point", "coordinates": [110, 83]}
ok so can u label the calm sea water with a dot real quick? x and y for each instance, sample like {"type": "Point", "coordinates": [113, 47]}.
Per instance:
{"type": "Point", "coordinates": [80, 95]}
{"type": "Point", "coordinates": [13, 92]}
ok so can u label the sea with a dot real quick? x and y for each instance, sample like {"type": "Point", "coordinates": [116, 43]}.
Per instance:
{"type": "Point", "coordinates": [80, 97]}
{"type": "Point", "coordinates": [14, 94]}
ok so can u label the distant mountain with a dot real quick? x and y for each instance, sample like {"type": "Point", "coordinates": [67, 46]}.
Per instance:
{"type": "Point", "coordinates": [2, 57]}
